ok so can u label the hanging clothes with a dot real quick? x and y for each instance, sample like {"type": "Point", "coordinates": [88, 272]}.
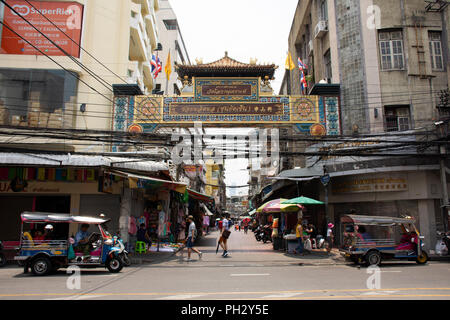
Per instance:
{"type": "Point", "coordinates": [142, 220]}
{"type": "Point", "coordinates": [132, 229]}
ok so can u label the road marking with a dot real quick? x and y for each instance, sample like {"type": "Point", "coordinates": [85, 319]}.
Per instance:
{"type": "Point", "coordinates": [376, 296]}
{"type": "Point", "coordinates": [378, 292]}
{"type": "Point", "coordinates": [282, 295]}
{"type": "Point", "coordinates": [219, 293]}
{"type": "Point", "coordinates": [181, 297]}
{"type": "Point", "coordinates": [249, 274]}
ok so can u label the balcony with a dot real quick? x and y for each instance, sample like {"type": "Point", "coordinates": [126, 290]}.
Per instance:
{"type": "Point", "coordinates": [148, 77]}
{"type": "Point", "coordinates": [137, 76]}
{"type": "Point", "coordinates": [146, 6]}
{"type": "Point", "coordinates": [150, 27]}
{"type": "Point", "coordinates": [321, 29]}
{"type": "Point", "coordinates": [138, 36]}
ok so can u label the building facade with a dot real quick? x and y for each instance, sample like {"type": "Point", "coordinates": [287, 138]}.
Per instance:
{"type": "Point", "coordinates": [172, 42]}
{"type": "Point", "coordinates": [74, 90]}
{"type": "Point", "coordinates": [389, 61]}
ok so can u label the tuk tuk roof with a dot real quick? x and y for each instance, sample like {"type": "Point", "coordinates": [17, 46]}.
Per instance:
{"type": "Point", "coordinates": [36, 217]}
{"type": "Point", "coordinates": [375, 220]}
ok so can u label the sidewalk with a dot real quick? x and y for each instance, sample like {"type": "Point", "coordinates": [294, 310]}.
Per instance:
{"type": "Point", "coordinates": [243, 250]}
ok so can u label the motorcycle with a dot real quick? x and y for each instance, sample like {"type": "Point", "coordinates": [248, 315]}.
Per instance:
{"type": "Point", "coordinates": [443, 245]}
{"type": "Point", "coordinates": [258, 233]}
{"type": "Point", "coordinates": [320, 242]}
{"type": "Point", "coordinates": [266, 234]}
{"type": "Point", "coordinates": [2, 256]}
{"type": "Point", "coordinates": [120, 251]}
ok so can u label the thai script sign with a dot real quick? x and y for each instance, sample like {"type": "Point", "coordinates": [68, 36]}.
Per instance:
{"type": "Point", "coordinates": [226, 89]}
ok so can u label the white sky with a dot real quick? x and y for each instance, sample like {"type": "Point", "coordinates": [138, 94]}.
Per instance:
{"type": "Point", "coordinates": [246, 29]}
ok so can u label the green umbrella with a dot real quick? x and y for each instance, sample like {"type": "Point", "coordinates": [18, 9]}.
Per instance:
{"type": "Point", "coordinates": [302, 200]}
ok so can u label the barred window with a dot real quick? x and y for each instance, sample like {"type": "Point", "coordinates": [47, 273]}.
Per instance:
{"type": "Point", "coordinates": [436, 51]}
{"type": "Point", "coordinates": [391, 50]}
{"type": "Point", "coordinates": [397, 118]}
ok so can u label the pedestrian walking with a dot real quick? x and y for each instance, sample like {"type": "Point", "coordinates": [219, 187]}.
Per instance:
{"type": "Point", "coordinates": [299, 235]}
{"type": "Point", "coordinates": [330, 237]}
{"type": "Point", "coordinates": [224, 237]}
{"type": "Point", "coordinates": [191, 238]}
{"type": "Point", "coordinates": [245, 226]}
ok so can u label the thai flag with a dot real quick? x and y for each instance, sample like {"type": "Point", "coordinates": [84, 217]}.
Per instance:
{"type": "Point", "coordinates": [301, 65]}
{"type": "Point", "coordinates": [156, 66]}
{"type": "Point", "coordinates": [303, 81]}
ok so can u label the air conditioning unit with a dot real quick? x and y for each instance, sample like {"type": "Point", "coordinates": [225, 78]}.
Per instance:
{"type": "Point", "coordinates": [321, 29]}
{"type": "Point", "coordinates": [310, 46]}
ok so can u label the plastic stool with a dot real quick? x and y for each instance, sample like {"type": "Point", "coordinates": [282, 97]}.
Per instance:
{"type": "Point", "coordinates": [140, 247]}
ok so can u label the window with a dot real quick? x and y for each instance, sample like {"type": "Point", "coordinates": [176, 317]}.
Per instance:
{"type": "Point", "coordinates": [327, 63]}
{"type": "Point", "coordinates": [171, 24]}
{"type": "Point", "coordinates": [323, 10]}
{"type": "Point", "coordinates": [391, 50]}
{"type": "Point", "coordinates": [436, 51]}
{"type": "Point", "coordinates": [397, 118]}
{"type": "Point", "coordinates": [24, 90]}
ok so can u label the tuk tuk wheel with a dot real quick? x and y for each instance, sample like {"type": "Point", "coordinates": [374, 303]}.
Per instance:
{"type": "Point", "coordinates": [373, 258]}
{"type": "Point", "coordinates": [423, 258]}
{"type": "Point", "coordinates": [41, 266]}
{"type": "Point", "coordinates": [114, 265]}
{"type": "Point", "coordinates": [2, 260]}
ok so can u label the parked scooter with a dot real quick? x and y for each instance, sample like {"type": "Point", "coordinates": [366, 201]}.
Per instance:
{"type": "Point", "coordinates": [266, 234]}
{"type": "Point", "coordinates": [122, 253]}
{"type": "Point", "coordinates": [258, 233]}
{"type": "Point", "coordinates": [2, 256]}
{"type": "Point", "coordinates": [443, 245]}
{"type": "Point", "coordinates": [320, 242]}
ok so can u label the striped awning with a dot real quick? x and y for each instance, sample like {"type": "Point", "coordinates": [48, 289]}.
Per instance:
{"type": "Point", "coordinates": [199, 196]}
{"type": "Point", "coordinates": [144, 182]}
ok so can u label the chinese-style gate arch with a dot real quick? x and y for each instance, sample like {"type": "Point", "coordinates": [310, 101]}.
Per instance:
{"type": "Point", "coordinates": [229, 93]}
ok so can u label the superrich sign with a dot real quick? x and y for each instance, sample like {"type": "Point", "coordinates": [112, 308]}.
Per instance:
{"type": "Point", "coordinates": [227, 89]}
{"type": "Point", "coordinates": [68, 16]}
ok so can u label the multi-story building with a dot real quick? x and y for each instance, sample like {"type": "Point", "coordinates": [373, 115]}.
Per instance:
{"type": "Point", "coordinates": [387, 62]}
{"type": "Point", "coordinates": [390, 59]}
{"type": "Point", "coordinates": [75, 89]}
{"type": "Point", "coordinates": [172, 41]}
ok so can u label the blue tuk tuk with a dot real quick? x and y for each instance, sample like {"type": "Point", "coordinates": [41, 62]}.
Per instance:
{"type": "Point", "coordinates": [371, 239]}
{"type": "Point", "coordinates": [56, 251]}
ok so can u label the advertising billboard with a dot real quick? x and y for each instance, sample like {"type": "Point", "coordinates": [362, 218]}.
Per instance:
{"type": "Point", "coordinates": [68, 16]}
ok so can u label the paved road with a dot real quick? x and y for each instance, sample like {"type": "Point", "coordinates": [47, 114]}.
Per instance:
{"type": "Point", "coordinates": [253, 271]}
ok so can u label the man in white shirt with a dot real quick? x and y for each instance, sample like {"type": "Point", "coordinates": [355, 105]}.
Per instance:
{"type": "Point", "coordinates": [190, 240]}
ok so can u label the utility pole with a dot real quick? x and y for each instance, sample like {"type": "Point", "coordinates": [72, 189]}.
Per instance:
{"type": "Point", "coordinates": [445, 204]}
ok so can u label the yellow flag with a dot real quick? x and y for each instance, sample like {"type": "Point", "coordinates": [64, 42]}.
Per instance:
{"type": "Point", "coordinates": [168, 67]}
{"type": "Point", "coordinates": [289, 63]}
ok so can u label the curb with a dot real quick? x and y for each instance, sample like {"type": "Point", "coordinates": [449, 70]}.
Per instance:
{"type": "Point", "coordinates": [155, 259]}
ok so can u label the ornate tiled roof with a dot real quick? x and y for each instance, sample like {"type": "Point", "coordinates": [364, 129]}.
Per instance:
{"type": "Point", "coordinates": [227, 67]}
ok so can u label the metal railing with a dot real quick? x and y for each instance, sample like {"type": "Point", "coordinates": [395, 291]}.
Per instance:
{"type": "Point", "coordinates": [26, 244]}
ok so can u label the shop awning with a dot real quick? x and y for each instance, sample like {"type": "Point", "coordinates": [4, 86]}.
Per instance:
{"type": "Point", "coordinates": [207, 211]}
{"type": "Point", "coordinates": [36, 217]}
{"type": "Point", "coordinates": [143, 182]}
{"type": "Point", "coordinates": [199, 196]}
